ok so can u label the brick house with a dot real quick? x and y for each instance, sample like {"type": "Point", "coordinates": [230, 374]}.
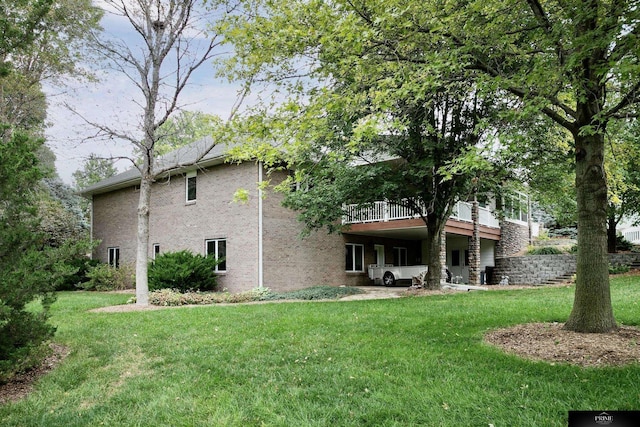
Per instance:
{"type": "Point", "coordinates": [193, 208]}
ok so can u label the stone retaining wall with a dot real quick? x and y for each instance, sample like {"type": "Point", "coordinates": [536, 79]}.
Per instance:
{"type": "Point", "coordinates": [537, 269]}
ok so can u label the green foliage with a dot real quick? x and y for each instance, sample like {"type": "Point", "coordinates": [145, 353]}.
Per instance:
{"type": "Point", "coordinates": [94, 170]}
{"type": "Point", "coordinates": [185, 128]}
{"type": "Point", "coordinates": [315, 293]}
{"type": "Point", "coordinates": [183, 271]}
{"type": "Point", "coordinates": [82, 265]}
{"type": "Point", "coordinates": [623, 244]}
{"type": "Point", "coordinates": [618, 269]}
{"type": "Point", "coordinates": [173, 297]}
{"type": "Point", "coordinates": [568, 232]}
{"type": "Point", "coordinates": [103, 277]}
{"type": "Point", "coordinates": [544, 250]}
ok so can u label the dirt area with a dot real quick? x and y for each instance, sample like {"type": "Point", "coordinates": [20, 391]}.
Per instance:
{"type": "Point", "coordinates": [22, 384]}
{"type": "Point", "coordinates": [536, 341]}
{"type": "Point", "coordinates": [551, 343]}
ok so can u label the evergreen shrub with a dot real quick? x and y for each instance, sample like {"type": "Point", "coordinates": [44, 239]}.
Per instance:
{"type": "Point", "coordinates": [82, 266]}
{"type": "Point", "coordinates": [544, 250]}
{"type": "Point", "coordinates": [183, 271]}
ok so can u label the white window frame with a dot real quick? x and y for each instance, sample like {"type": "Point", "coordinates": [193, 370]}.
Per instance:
{"type": "Point", "coordinates": [216, 252]}
{"type": "Point", "coordinates": [353, 257]}
{"type": "Point", "coordinates": [156, 250]}
{"type": "Point", "coordinates": [189, 176]}
{"type": "Point", "coordinates": [113, 256]}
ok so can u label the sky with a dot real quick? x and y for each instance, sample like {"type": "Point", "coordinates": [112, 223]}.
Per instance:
{"type": "Point", "coordinates": [112, 102]}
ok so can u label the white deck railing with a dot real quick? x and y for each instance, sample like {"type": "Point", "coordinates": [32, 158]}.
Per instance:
{"type": "Point", "coordinates": [632, 234]}
{"type": "Point", "coordinates": [387, 211]}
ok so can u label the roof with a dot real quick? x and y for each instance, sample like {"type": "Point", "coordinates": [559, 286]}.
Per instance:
{"type": "Point", "coordinates": [177, 161]}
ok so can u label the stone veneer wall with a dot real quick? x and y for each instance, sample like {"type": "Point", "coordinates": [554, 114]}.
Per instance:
{"type": "Point", "coordinates": [514, 238]}
{"type": "Point", "coordinates": [537, 269]}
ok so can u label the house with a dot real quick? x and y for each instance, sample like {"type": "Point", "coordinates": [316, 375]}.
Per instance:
{"type": "Point", "coordinates": [193, 208]}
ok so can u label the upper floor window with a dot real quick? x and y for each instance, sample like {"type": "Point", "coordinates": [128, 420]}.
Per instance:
{"type": "Point", "coordinates": [114, 257]}
{"type": "Point", "coordinates": [354, 257]}
{"type": "Point", "coordinates": [218, 248]}
{"type": "Point", "coordinates": [191, 187]}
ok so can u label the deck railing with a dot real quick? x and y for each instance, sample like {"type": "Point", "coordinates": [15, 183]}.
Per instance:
{"type": "Point", "coordinates": [387, 211]}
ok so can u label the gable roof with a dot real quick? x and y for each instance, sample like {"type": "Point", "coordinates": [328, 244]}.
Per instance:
{"type": "Point", "coordinates": [188, 157]}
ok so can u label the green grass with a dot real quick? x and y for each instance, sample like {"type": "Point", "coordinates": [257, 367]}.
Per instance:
{"type": "Point", "coordinates": [400, 362]}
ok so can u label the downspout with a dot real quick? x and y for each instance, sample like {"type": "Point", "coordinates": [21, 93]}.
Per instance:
{"type": "Point", "coordinates": [260, 229]}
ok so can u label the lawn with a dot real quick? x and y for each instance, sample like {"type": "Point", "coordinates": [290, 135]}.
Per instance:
{"type": "Point", "coordinates": [399, 362]}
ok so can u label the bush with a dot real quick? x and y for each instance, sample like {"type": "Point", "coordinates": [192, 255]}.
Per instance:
{"type": "Point", "coordinates": [623, 244]}
{"type": "Point", "coordinates": [618, 269]}
{"type": "Point", "coordinates": [316, 293]}
{"type": "Point", "coordinates": [183, 271]}
{"type": "Point", "coordinates": [104, 277]}
{"type": "Point", "coordinates": [544, 250]}
{"type": "Point", "coordinates": [567, 233]}
{"type": "Point", "coordinates": [82, 266]}
{"type": "Point", "coordinates": [173, 297]}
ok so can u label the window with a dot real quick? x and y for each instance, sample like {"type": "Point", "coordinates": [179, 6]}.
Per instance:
{"type": "Point", "coordinates": [114, 257]}
{"type": "Point", "coordinates": [218, 249]}
{"type": "Point", "coordinates": [400, 256]}
{"type": "Point", "coordinates": [156, 250]}
{"type": "Point", "coordinates": [354, 257]}
{"type": "Point", "coordinates": [191, 187]}
{"type": "Point", "coordinates": [455, 257]}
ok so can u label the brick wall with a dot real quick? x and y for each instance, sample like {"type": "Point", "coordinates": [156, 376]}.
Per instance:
{"type": "Point", "coordinates": [536, 269]}
{"type": "Point", "coordinates": [175, 224]}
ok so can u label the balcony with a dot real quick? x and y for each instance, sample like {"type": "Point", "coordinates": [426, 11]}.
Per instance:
{"type": "Point", "coordinates": [387, 211]}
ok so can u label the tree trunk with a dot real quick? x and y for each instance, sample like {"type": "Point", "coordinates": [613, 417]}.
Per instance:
{"type": "Point", "coordinates": [142, 248]}
{"type": "Point", "coordinates": [592, 310]}
{"type": "Point", "coordinates": [435, 228]}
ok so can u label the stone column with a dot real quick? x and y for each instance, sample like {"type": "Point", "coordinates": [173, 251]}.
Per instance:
{"type": "Point", "coordinates": [474, 245]}
{"type": "Point", "coordinates": [443, 257]}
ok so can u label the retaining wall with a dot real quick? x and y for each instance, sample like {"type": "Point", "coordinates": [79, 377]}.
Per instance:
{"type": "Point", "coordinates": [537, 269]}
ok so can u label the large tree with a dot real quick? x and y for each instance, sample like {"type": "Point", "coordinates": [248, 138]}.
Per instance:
{"type": "Point", "coordinates": [574, 61]}
{"type": "Point", "coordinates": [31, 262]}
{"type": "Point", "coordinates": [168, 45]}
{"type": "Point", "coordinates": [420, 138]}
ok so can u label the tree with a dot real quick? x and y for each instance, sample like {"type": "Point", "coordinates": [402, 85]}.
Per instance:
{"type": "Point", "coordinates": [421, 139]}
{"type": "Point", "coordinates": [31, 263]}
{"type": "Point", "coordinates": [94, 170]}
{"type": "Point", "coordinates": [572, 61]}
{"type": "Point", "coordinates": [172, 45]}
{"type": "Point", "coordinates": [184, 128]}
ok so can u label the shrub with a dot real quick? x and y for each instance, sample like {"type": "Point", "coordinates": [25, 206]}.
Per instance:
{"type": "Point", "coordinates": [623, 244]}
{"type": "Point", "coordinates": [82, 266]}
{"type": "Point", "coordinates": [568, 232]}
{"type": "Point", "coordinates": [315, 293]}
{"type": "Point", "coordinates": [544, 250]}
{"type": "Point", "coordinates": [173, 297]}
{"type": "Point", "coordinates": [104, 277]}
{"type": "Point", "coordinates": [618, 268]}
{"type": "Point", "coordinates": [183, 271]}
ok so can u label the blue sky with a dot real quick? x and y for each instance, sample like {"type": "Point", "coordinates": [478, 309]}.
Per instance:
{"type": "Point", "coordinates": [112, 102]}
